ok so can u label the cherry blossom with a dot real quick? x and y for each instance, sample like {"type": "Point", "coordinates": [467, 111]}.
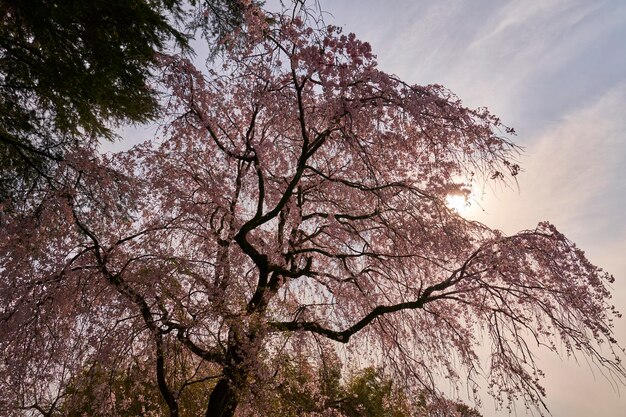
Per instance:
{"type": "Point", "coordinates": [294, 203]}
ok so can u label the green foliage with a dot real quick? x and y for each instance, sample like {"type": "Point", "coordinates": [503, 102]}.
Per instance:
{"type": "Point", "coordinates": [68, 71]}
{"type": "Point", "coordinates": [129, 394]}
{"type": "Point", "coordinates": [371, 394]}
{"type": "Point", "coordinates": [321, 389]}
{"type": "Point", "coordinates": [303, 389]}
{"type": "Point", "coordinates": [83, 62]}
{"type": "Point", "coordinates": [72, 69]}
{"type": "Point", "coordinates": [131, 390]}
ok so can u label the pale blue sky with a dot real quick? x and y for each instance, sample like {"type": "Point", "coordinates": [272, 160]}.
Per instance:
{"type": "Point", "coordinates": [555, 70]}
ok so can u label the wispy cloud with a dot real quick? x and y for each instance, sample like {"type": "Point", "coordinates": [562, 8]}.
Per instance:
{"type": "Point", "coordinates": [506, 55]}
{"type": "Point", "coordinates": [574, 172]}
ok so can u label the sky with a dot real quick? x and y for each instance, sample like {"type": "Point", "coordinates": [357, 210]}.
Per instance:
{"type": "Point", "coordinates": [555, 70]}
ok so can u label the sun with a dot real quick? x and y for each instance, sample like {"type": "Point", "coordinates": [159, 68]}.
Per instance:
{"type": "Point", "coordinates": [458, 203]}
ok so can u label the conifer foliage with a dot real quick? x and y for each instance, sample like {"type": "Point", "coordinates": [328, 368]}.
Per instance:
{"type": "Point", "coordinates": [72, 70]}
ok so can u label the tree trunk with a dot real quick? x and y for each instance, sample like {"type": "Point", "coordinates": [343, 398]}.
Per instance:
{"type": "Point", "coordinates": [222, 402]}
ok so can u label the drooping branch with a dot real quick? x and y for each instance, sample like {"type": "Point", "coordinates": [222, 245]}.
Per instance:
{"type": "Point", "coordinates": [377, 312]}
{"type": "Point", "coordinates": [136, 298]}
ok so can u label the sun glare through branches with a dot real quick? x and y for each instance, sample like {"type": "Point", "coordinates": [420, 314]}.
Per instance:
{"type": "Point", "coordinates": [458, 203]}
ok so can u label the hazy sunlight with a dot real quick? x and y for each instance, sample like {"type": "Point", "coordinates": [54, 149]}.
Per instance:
{"type": "Point", "coordinates": [458, 203]}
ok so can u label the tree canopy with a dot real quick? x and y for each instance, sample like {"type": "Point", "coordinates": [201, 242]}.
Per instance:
{"type": "Point", "coordinates": [294, 206]}
{"type": "Point", "coordinates": [71, 70]}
